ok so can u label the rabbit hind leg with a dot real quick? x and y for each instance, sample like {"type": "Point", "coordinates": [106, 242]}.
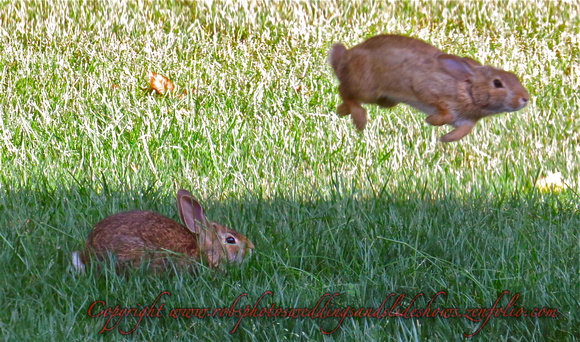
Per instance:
{"type": "Point", "coordinates": [356, 111]}
{"type": "Point", "coordinates": [359, 116]}
{"type": "Point", "coordinates": [343, 109]}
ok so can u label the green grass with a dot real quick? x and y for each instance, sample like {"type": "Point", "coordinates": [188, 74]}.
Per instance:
{"type": "Point", "coordinates": [257, 140]}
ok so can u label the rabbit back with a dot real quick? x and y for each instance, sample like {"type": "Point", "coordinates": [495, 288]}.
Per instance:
{"type": "Point", "coordinates": [138, 235]}
{"type": "Point", "coordinates": [389, 69]}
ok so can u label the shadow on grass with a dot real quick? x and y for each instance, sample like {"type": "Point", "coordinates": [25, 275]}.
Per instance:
{"type": "Point", "coordinates": [364, 247]}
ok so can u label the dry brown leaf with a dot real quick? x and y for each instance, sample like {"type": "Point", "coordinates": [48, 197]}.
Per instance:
{"type": "Point", "coordinates": [159, 83]}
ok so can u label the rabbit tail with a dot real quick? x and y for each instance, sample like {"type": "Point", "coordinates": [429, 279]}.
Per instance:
{"type": "Point", "coordinates": [78, 263]}
{"type": "Point", "coordinates": [336, 57]}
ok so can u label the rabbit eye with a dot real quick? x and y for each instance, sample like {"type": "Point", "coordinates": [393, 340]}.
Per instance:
{"type": "Point", "coordinates": [497, 83]}
{"type": "Point", "coordinates": [231, 240]}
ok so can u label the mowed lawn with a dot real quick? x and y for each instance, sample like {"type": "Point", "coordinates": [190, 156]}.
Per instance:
{"type": "Point", "coordinates": [255, 137]}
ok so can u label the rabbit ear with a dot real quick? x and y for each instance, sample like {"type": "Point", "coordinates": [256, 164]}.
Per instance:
{"type": "Point", "coordinates": [191, 211]}
{"type": "Point", "coordinates": [455, 66]}
{"type": "Point", "coordinates": [471, 62]}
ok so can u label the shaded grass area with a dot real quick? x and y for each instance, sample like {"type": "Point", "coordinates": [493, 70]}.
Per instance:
{"type": "Point", "coordinates": [256, 138]}
{"type": "Point", "coordinates": [364, 247]}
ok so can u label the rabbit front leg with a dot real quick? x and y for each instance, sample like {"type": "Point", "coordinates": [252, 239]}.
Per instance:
{"type": "Point", "coordinates": [442, 117]}
{"type": "Point", "coordinates": [459, 132]}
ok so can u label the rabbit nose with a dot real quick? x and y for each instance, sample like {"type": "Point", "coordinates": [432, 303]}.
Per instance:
{"type": "Point", "coordinates": [523, 101]}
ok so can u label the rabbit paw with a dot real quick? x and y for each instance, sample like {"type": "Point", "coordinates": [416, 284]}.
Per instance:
{"type": "Point", "coordinates": [458, 133]}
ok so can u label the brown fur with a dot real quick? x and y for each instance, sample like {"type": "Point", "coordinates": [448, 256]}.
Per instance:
{"type": "Point", "coordinates": [137, 236]}
{"type": "Point", "coordinates": [389, 69]}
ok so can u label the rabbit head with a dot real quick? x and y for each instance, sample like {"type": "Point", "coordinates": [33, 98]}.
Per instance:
{"type": "Point", "coordinates": [216, 242]}
{"type": "Point", "coordinates": [491, 90]}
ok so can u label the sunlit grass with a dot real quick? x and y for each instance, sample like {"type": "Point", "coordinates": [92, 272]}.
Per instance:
{"type": "Point", "coordinates": [257, 139]}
